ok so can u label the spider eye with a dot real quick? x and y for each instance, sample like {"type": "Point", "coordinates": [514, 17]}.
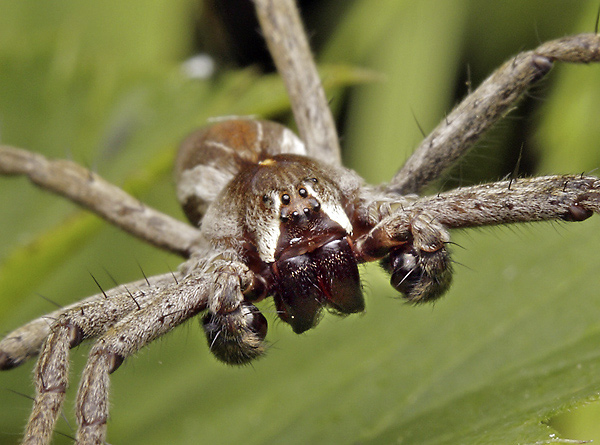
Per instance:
{"type": "Point", "coordinates": [314, 180]}
{"type": "Point", "coordinates": [265, 198]}
{"type": "Point", "coordinates": [302, 192]}
{"type": "Point", "coordinates": [285, 199]}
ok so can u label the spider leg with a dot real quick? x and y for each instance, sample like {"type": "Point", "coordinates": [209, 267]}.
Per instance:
{"type": "Point", "coordinates": [89, 190]}
{"type": "Point", "coordinates": [415, 235]}
{"type": "Point", "coordinates": [26, 341]}
{"type": "Point", "coordinates": [125, 319]}
{"type": "Point", "coordinates": [168, 308]}
{"type": "Point", "coordinates": [69, 327]}
{"type": "Point", "coordinates": [568, 198]}
{"type": "Point", "coordinates": [454, 136]}
{"type": "Point", "coordinates": [285, 36]}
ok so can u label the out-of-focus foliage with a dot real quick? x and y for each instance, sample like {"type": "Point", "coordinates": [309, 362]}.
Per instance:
{"type": "Point", "coordinates": [514, 342]}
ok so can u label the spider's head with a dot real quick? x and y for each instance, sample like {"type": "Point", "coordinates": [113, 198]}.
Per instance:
{"type": "Point", "coordinates": [292, 207]}
{"type": "Point", "coordinates": [296, 224]}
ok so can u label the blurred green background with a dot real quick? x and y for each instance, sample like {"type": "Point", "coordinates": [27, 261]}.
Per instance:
{"type": "Point", "coordinates": [515, 341]}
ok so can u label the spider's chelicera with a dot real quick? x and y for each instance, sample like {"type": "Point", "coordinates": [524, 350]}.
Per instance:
{"type": "Point", "coordinates": [273, 216]}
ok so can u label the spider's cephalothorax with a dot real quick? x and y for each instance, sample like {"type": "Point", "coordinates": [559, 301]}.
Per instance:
{"type": "Point", "coordinates": [290, 218]}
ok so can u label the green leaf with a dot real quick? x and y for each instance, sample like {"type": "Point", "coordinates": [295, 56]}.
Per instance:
{"type": "Point", "coordinates": [513, 343]}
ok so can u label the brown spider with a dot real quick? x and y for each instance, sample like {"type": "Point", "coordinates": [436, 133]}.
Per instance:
{"type": "Point", "coordinates": [282, 218]}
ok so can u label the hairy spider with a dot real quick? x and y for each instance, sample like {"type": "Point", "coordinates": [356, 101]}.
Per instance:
{"type": "Point", "coordinates": [280, 217]}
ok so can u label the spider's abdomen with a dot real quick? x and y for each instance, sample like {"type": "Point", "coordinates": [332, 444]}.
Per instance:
{"type": "Point", "coordinates": [211, 156]}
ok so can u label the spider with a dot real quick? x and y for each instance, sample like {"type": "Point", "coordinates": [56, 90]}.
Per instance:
{"type": "Point", "coordinates": [280, 217]}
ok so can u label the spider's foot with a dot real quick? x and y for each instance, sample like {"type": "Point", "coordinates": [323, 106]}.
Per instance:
{"type": "Point", "coordinates": [237, 337]}
{"type": "Point", "coordinates": [16, 350]}
{"type": "Point", "coordinates": [7, 362]}
{"type": "Point", "coordinates": [577, 212]}
{"type": "Point", "coordinates": [420, 276]}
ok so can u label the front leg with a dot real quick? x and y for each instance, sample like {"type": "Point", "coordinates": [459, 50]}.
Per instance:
{"type": "Point", "coordinates": [63, 330]}
{"type": "Point", "coordinates": [235, 330]}
{"type": "Point", "coordinates": [169, 308]}
{"type": "Point", "coordinates": [413, 237]}
{"type": "Point", "coordinates": [566, 198]}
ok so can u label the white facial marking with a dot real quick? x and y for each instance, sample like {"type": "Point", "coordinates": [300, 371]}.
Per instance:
{"type": "Point", "coordinates": [333, 210]}
{"type": "Point", "coordinates": [270, 227]}
{"type": "Point", "coordinates": [270, 232]}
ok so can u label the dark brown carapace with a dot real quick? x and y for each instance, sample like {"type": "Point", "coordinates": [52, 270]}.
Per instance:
{"type": "Point", "coordinates": [292, 220]}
